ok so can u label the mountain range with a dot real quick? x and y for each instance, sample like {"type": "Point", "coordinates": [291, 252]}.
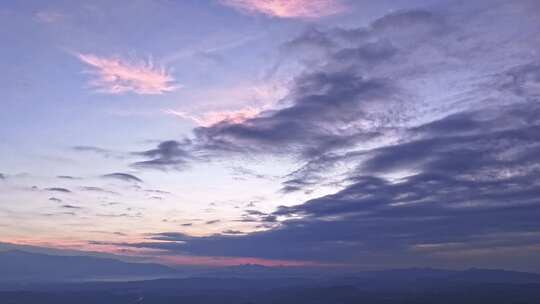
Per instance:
{"type": "Point", "coordinates": [29, 277]}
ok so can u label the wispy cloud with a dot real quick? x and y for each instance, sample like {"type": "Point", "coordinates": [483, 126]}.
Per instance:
{"type": "Point", "coordinates": [211, 118]}
{"type": "Point", "coordinates": [48, 16]}
{"type": "Point", "coordinates": [256, 99]}
{"type": "Point", "coordinates": [118, 76]}
{"type": "Point", "coordinates": [288, 8]}
{"type": "Point", "coordinates": [123, 177]}
{"type": "Point", "coordinates": [57, 189]}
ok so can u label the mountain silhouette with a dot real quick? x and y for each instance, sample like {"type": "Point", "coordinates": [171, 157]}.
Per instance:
{"type": "Point", "coordinates": [22, 265]}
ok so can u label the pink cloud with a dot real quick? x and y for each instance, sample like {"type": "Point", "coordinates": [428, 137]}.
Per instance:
{"type": "Point", "coordinates": [288, 8]}
{"type": "Point", "coordinates": [117, 76]}
{"type": "Point", "coordinates": [214, 117]}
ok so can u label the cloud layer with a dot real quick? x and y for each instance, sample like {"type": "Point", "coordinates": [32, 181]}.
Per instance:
{"type": "Point", "coordinates": [434, 116]}
{"type": "Point", "coordinates": [473, 190]}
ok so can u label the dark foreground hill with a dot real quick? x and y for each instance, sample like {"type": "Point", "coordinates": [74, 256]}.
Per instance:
{"type": "Point", "coordinates": [441, 293]}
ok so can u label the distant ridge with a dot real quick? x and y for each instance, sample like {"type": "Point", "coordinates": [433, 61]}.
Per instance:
{"type": "Point", "coordinates": [22, 265]}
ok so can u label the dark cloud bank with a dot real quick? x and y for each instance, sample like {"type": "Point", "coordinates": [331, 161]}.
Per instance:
{"type": "Point", "coordinates": [435, 112]}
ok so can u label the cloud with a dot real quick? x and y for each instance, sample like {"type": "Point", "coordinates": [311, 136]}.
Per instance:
{"type": "Point", "coordinates": [67, 177]}
{"type": "Point", "coordinates": [296, 184]}
{"type": "Point", "coordinates": [342, 98]}
{"type": "Point", "coordinates": [2, 176]}
{"type": "Point", "coordinates": [433, 119]}
{"type": "Point", "coordinates": [116, 215]}
{"type": "Point", "coordinates": [57, 189]}
{"type": "Point", "coordinates": [477, 187]}
{"type": "Point", "coordinates": [359, 91]}
{"type": "Point", "coordinates": [60, 214]}
{"type": "Point", "coordinates": [98, 189]}
{"type": "Point", "coordinates": [361, 87]}
{"type": "Point", "coordinates": [71, 207]}
{"type": "Point", "coordinates": [49, 16]}
{"type": "Point", "coordinates": [233, 232]}
{"type": "Point", "coordinates": [288, 8]}
{"type": "Point", "coordinates": [215, 117]}
{"type": "Point", "coordinates": [256, 216]}
{"type": "Point", "coordinates": [97, 150]}
{"type": "Point", "coordinates": [525, 80]}
{"type": "Point", "coordinates": [123, 177]}
{"type": "Point", "coordinates": [326, 107]}
{"type": "Point", "coordinates": [55, 199]}
{"type": "Point", "coordinates": [241, 173]}
{"type": "Point", "coordinates": [167, 155]}
{"type": "Point", "coordinates": [157, 191]}
{"type": "Point", "coordinates": [118, 76]}
{"type": "Point", "coordinates": [90, 149]}
{"type": "Point", "coordinates": [261, 97]}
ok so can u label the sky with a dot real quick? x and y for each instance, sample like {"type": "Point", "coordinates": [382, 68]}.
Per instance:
{"type": "Point", "coordinates": [339, 133]}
